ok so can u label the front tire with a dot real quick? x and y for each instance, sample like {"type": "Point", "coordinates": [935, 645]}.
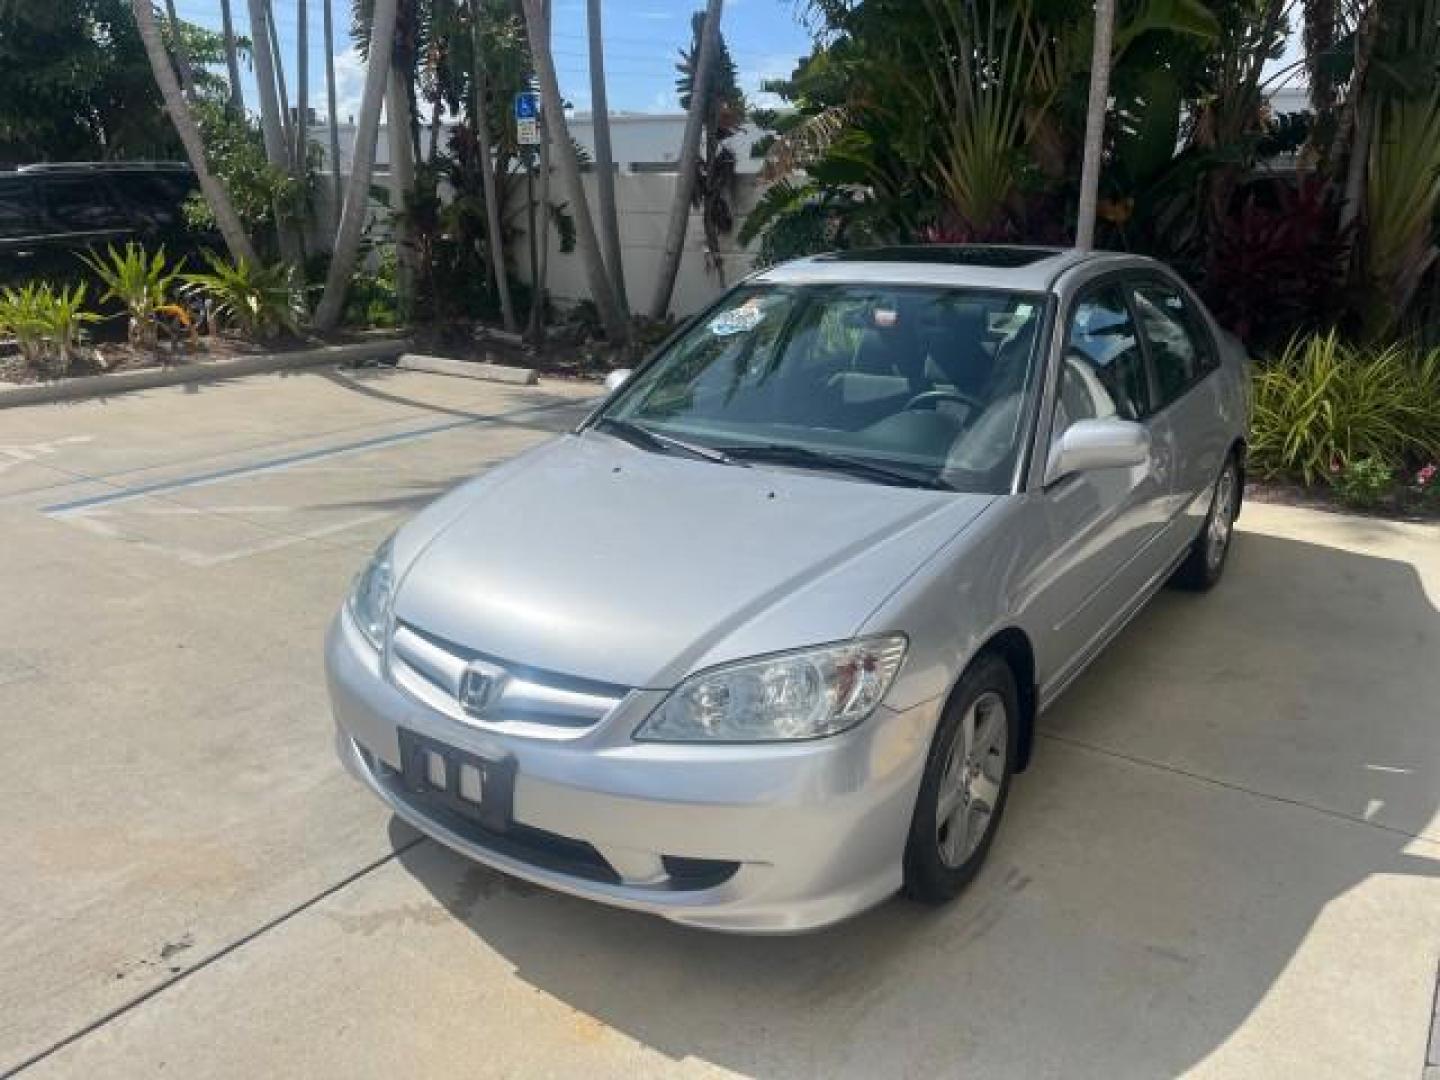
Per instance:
{"type": "Point", "coordinates": [965, 784]}
{"type": "Point", "coordinates": [1205, 563]}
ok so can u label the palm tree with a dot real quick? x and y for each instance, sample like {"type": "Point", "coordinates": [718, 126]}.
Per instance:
{"type": "Point", "coordinates": [232, 60]}
{"type": "Point", "coordinates": [331, 106]}
{"type": "Point", "coordinates": [1095, 122]}
{"type": "Point", "coordinates": [182, 62]}
{"type": "Point", "coordinates": [399, 108]}
{"type": "Point", "coordinates": [685, 177]}
{"type": "Point", "coordinates": [357, 191]}
{"type": "Point", "coordinates": [537, 28]}
{"type": "Point", "coordinates": [302, 85]}
{"type": "Point", "coordinates": [604, 159]}
{"type": "Point", "coordinates": [480, 111]}
{"type": "Point", "coordinates": [185, 127]}
{"type": "Point", "coordinates": [271, 127]}
{"type": "Point", "coordinates": [723, 115]}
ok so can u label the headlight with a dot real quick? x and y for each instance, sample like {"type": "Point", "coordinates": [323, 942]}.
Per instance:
{"type": "Point", "coordinates": [795, 695]}
{"type": "Point", "coordinates": [371, 597]}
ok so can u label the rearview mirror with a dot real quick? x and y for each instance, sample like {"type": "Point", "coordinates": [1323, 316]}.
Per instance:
{"type": "Point", "coordinates": [1098, 444]}
{"type": "Point", "coordinates": [616, 379]}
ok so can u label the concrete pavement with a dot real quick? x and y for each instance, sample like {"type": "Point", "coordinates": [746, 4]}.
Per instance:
{"type": "Point", "coordinates": [1225, 859]}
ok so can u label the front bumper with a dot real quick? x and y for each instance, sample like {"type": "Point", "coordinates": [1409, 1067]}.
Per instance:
{"type": "Point", "coordinates": [817, 829]}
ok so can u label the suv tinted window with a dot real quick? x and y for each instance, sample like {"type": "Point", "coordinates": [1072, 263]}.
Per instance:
{"type": "Point", "coordinates": [1103, 369]}
{"type": "Point", "coordinates": [157, 196]}
{"type": "Point", "coordinates": [19, 215]}
{"type": "Point", "coordinates": [1179, 346]}
{"type": "Point", "coordinates": [81, 204]}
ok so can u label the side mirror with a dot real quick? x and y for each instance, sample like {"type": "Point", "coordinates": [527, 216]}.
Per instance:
{"type": "Point", "coordinates": [1098, 444]}
{"type": "Point", "coordinates": [616, 379]}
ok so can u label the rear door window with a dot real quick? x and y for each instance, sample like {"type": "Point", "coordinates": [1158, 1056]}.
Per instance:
{"type": "Point", "coordinates": [19, 214]}
{"type": "Point", "coordinates": [82, 204]}
{"type": "Point", "coordinates": [1180, 348]}
{"type": "Point", "coordinates": [157, 197]}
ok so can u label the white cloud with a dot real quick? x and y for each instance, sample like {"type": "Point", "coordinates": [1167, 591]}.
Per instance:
{"type": "Point", "coordinates": [752, 76]}
{"type": "Point", "coordinates": [349, 85]}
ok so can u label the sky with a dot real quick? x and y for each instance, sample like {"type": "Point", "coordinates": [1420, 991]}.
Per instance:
{"type": "Point", "coordinates": [642, 38]}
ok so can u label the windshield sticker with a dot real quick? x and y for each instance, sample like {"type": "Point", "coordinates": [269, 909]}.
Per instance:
{"type": "Point", "coordinates": [737, 320]}
{"type": "Point", "coordinates": [886, 318]}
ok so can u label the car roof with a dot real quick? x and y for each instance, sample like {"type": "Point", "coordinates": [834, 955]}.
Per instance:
{"type": "Point", "coordinates": [989, 266]}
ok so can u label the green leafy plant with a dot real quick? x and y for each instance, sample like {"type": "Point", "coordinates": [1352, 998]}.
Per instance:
{"type": "Point", "coordinates": [256, 299]}
{"type": "Point", "coordinates": [48, 325]}
{"type": "Point", "coordinates": [1322, 405]}
{"type": "Point", "coordinates": [1366, 482]}
{"type": "Point", "coordinates": [21, 314]}
{"type": "Point", "coordinates": [66, 319]}
{"type": "Point", "coordinates": [139, 281]}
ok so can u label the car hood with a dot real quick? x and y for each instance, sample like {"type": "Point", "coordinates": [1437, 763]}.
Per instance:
{"type": "Point", "coordinates": [594, 559]}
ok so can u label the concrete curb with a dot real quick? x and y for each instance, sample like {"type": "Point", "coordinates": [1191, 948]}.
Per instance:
{"type": "Point", "coordinates": [466, 369]}
{"type": "Point", "coordinates": [90, 386]}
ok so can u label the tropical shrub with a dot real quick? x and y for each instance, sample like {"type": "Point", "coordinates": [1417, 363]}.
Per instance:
{"type": "Point", "coordinates": [256, 299]}
{"type": "Point", "coordinates": [140, 282]}
{"type": "Point", "coordinates": [1277, 265]}
{"type": "Point", "coordinates": [48, 324]}
{"type": "Point", "coordinates": [1365, 482]}
{"type": "Point", "coordinates": [1322, 406]}
{"type": "Point", "coordinates": [236, 153]}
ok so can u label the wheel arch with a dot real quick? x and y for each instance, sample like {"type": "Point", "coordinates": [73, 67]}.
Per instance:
{"type": "Point", "coordinates": [1013, 646]}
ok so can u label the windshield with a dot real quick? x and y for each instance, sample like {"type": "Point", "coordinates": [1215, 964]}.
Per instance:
{"type": "Point", "coordinates": [921, 382]}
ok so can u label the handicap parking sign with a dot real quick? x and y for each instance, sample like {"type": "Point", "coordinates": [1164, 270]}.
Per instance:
{"type": "Point", "coordinates": [527, 106]}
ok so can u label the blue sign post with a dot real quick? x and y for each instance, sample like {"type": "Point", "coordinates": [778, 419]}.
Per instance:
{"type": "Point", "coordinates": [527, 106]}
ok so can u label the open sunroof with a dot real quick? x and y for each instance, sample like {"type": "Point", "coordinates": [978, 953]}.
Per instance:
{"type": "Point", "coordinates": [1001, 258]}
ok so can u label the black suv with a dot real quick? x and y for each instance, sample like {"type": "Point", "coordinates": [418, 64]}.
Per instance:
{"type": "Point", "coordinates": [51, 213]}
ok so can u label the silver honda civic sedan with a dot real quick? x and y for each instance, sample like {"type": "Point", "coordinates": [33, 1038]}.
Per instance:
{"type": "Point", "coordinates": [763, 640]}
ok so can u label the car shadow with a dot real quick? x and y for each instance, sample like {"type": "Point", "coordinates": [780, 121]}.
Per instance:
{"type": "Point", "coordinates": [1200, 797]}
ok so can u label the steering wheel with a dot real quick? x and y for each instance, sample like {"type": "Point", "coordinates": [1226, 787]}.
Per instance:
{"type": "Point", "coordinates": [930, 398]}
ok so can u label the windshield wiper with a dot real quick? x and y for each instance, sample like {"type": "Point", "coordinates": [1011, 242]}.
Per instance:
{"type": "Point", "coordinates": [650, 439]}
{"type": "Point", "coordinates": [805, 457]}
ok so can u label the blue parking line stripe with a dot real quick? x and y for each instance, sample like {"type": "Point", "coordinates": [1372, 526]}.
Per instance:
{"type": "Point", "coordinates": [274, 464]}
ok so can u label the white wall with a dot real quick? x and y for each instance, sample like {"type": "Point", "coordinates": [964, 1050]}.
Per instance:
{"type": "Point", "coordinates": [642, 203]}
{"type": "Point", "coordinates": [635, 138]}
{"type": "Point", "coordinates": [643, 210]}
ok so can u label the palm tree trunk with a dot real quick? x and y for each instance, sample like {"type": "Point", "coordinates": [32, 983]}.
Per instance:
{"type": "Point", "coordinates": [401, 182]}
{"type": "Point", "coordinates": [215, 195]}
{"type": "Point", "coordinates": [182, 62]}
{"type": "Point", "coordinates": [537, 27]}
{"type": "Point", "coordinates": [536, 329]}
{"type": "Point", "coordinates": [604, 158]}
{"type": "Point", "coordinates": [232, 60]}
{"type": "Point", "coordinates": [689, 151]}
{"type": "Point", "coordinates": [1095, 123]}
{"type": "Point", "coordinates": [302, 85]}
{"type": "Point", "coordinates": [480, 110]}
{"type": "Point", "coordinates": [357, 191]}
{"type": "Point", "coordinates": [271, 128]}
{"type": "Point", "coordinates": [278, 63]}
{"type": "Point", "coordinates": [332, 108]}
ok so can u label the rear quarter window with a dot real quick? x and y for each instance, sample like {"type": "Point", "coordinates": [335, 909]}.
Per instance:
{"type": "Point", "coordinates": [157, 197]}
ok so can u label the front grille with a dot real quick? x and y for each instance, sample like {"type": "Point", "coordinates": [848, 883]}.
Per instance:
{"type": "Point", "coordinates": [533, 702]}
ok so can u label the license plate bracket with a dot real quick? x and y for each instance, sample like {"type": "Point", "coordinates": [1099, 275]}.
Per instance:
{"type": "Point", "coordinates": [418, 755]}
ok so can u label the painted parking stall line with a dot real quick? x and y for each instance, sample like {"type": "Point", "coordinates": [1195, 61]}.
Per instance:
{"type": "Point", "coordinates": [287, 461]}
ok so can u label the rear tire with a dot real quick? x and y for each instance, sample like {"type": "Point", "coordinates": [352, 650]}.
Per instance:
{"type": "Point", "coordinates": [1205, 563]}
{"type": "Point", "coordinates": [965, 784]}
